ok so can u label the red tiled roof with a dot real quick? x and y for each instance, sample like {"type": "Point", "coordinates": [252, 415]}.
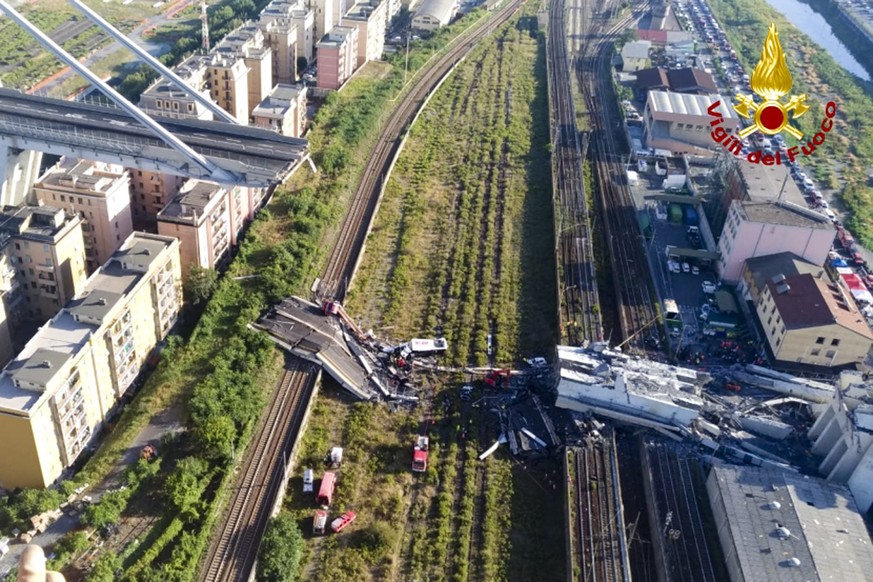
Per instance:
{"type": "Point", "coordinates": [658, 36]}
{"type": "Point", "coordinates": [813, 302]}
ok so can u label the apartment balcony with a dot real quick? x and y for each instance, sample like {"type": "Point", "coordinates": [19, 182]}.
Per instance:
{"type": "Point", "coordinates": [44, 268]}
{"type": "Point", "coordinates": [48, 291]}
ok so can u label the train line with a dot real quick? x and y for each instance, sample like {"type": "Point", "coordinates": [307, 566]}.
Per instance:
{"type": "Point", "coordinates": [233, 550]}
{"type": "Point", "coordinates": [630, 273]}
{"type": "Point", "coordinates": [682, 525]}
{"type": "Point", "coordinates": [579, 310]}
{"type": "Point", "coordinates": [598, 527]}
{"type": "Point", "coordinates": [344, 261]}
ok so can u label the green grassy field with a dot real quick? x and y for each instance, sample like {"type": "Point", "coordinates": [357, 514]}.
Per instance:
{"type": "Point", "coordinates": [462, 245]}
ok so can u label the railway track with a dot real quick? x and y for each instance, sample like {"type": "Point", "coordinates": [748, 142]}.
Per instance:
{"type": "Point", "coordinates": [579, 310]}
{"type": "Point", "coordinates": [631, 277]}
{"type": "Point", "coordinates": [233, 550]}
{"type": "Point", "coordinates": [344, 260]}
{"type": "Point", "coordinates": [598, 526]}
{"type": "Point", "coordinates": [688, 557]}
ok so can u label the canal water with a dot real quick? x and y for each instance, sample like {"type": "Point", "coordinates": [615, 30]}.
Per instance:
{"type": "Point", "coordinates": [817, 28]}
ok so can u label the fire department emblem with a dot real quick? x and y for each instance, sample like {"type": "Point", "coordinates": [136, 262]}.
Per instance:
{"type": "Point", "coordinates": [771, 81]}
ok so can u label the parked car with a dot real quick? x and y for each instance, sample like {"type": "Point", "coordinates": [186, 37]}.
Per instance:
{"type": "Point", "coordinates": [686, 268]}
{"type": "Point", "coordinates": [342, 521]}
{"type": "Point", "coordinates": [308, 480]}
{"type": "Point", "coordinates": [708, 287]}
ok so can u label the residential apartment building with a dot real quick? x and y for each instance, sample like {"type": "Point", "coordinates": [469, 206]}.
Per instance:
{"type": "Point", "coordinates": [325, 16]}
{"type": "Point", "coordinates": [283, 111]}
{"type": "Point", "coordinates": [280, 34]}
{"type": "Point", "coordinates": [680, 122]}
{"type": "Point", "coordinates": [100, 194]}
{"type": "Point", "coordinates": [45, 247]}
{"type": "Point", "coordinates": [809, 320]}
{"type": "Point", "coordinates": [755, 229]}
{"type": "Point", "coordinates": [149, 193]}
{"type": "Point", "coordinates": [297, 15]}
{"type": "Point", "coordinates": [248, 43]}
{"type": "Point", "coordinates": [57, 393]}
{"type": "Point", "coordinates": [227, 80]}
{"type": "Point", "coordinates": [337, 57]}
{"type": "Point", "coordinates": [371, 19]}
{"type": "Point", "coordinates": [164, 98]}
{"type": "Point", "coordinates": [207, 219]}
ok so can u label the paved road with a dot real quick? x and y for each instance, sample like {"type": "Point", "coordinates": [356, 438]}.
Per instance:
{"type": "Point", "coordinates": [154, 49]}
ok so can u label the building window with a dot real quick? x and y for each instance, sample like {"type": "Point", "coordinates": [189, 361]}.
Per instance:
{"type": "Point", "coordinates": [769, 321]}
{"type": "Point", "coordinates": [773, 331]}
{"type": "Point", "coordinates": [80, 201]}
{"type": "Point", "coordinates": [835, 342]}
{"type": "Point", "coordinates": [157, 188]}
{"type": "Point", "coordinates": [779, 341]}
{"type": "Point", "coordinates": [830, 353]}
{"type": "Point", "coordinates": [63, 198]}
{"type": "Point", "coordinates": [141, 196]}
{"type": "Point", "coordinates": [815, 352]}
{"type": "Point", "coordinates": [139, 172]}
{"type": "Point", "coordinates": [819, 340]}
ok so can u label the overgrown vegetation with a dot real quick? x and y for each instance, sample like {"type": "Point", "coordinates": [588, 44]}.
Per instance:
{"type": "Point", "coordinates": [464, 209]}
{"type": "Point", "coordinates": [281, 551]}
{"type": "Point", "coordinates": [849, 146]}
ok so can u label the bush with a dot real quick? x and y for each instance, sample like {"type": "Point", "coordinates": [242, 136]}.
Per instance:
{"type": "Point", "coordinates": [376, 541]}
{"type": "Point", "coordinates": [281, 551]}
{"type": "Point", "coordinates": [108, 510]}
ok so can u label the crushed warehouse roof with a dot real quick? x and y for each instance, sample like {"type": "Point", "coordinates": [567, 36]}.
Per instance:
{"type": "Point", "coordinates": [783, 526]}
{"type": "Point", "coordinates": [618, 386]}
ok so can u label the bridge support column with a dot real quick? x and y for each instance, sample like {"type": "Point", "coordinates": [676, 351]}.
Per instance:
{"type": "Point", "coordinates": [19, 169]}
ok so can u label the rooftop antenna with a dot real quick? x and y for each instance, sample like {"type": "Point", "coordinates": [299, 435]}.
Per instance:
{"type": "Point", "coordinates": [204, 19]}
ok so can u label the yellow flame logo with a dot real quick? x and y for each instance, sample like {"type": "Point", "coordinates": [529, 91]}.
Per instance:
{"type": "Point", "coordinates": [771, 81]}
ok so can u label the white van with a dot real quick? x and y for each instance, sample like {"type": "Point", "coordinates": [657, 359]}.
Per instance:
{"type": "Point", "coordinates": [830, 214]}
{"type": "Point", "coordinates": [307, 481]}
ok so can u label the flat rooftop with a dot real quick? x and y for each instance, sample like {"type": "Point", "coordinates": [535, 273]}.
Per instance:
{"type": "Point", "coordinates": [687, 104]}
{"type": "Point", "coordinates": [191, 203]}
{"type": "Point", "coordinates": [770, 183]}
{"type": "Point", "coordinates": [62, 337]}
{"type": "Point", "coordinates": [85, 176]}
{"type": "Point", "coordinates": [825, 531]}
{"type": "Point", "coordinates": [786, 214]}
{"type": "Point", "coordinates": [279, 101]}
